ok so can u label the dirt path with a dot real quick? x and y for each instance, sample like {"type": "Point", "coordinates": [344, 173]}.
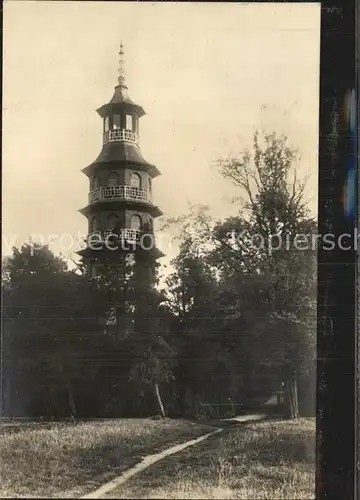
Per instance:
{"type": "Point", "coordinates": [152, 459]}
{"type": "Point", "coordinates": [144, 464]}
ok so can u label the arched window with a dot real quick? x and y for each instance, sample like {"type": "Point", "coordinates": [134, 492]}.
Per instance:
{"type": "Point", "coordinates": [149, 184]}
{"type": "Point", "coordinates": [135, 180]}
{"type": "Point", "coordinates": [93, 224]}
{"type": "Point", "coordinates": [95, 183]}
{"type": "Point", "coordinates": [136, 222]}
{"type": "Point", "coordinates": [112, 221]}
{"type": "Point", "coordinates": [113, 179]}
{"type": "Point", "coordinates": [151, 225]}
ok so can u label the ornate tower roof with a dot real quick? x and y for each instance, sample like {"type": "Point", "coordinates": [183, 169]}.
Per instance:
{"type": "Point", "coordinates": [121, 93]}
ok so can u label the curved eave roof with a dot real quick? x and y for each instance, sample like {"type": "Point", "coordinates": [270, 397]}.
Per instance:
{"type": "Point", "coordinates": [121, 152]}
{"type": "Point", "coordinates": [114, 107]}
{"type": "Point", "coordinates": [119, 101]}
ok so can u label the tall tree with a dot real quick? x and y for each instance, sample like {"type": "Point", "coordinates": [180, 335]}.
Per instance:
{"type": "Point", "coordinates": [152, 355]}
{"type": "Point", "coordinates": [31, 309]}
{"type": "Point", "coordinates": [54, 343]}
{"type": "Point", "coordinates": [203, 368]}
{"type": "Point", "coordinates": [265, 278]}
{"type": "Point", "coordinates": [273, 200]}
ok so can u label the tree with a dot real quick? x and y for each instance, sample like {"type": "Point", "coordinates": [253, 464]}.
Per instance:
{"type": "Point", "coordinates": [263, 294]}
{"type": "Point", "coordinates": [204, 371]}
{"type": "Point", "coordinates": [33, 276]}
{"type": "Point", "coordinates": [152, 355]}
{"type": "Point", "coordinates": [53, 343]}
{"type": "Point", "coordinates": [275, 209]}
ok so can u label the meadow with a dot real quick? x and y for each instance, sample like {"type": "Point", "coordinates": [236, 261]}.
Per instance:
{"type": "Point", "coordinates": [273, 459]}
{"type": "Point", "coordinates": [64, 459]}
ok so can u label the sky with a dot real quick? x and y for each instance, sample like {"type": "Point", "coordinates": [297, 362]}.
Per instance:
{"type": "Point", "coordinates": [207, 75]}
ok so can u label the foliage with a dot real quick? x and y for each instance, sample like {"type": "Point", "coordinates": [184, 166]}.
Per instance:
{"type": "Point", "coordinates": [260, 285]}
{"type": "Point", "coordinates": [80, 346]}
{"type": "Point", "coordinates": [237, 317]}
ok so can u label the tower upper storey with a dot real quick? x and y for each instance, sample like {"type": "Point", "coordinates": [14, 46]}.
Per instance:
{"type": "Point", "coordinates": [121, 128]}
{"type": "Point", "coordinates": [121, 115]}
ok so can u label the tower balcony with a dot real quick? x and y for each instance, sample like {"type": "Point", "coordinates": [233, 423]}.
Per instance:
{"type": "Point", "coordinates": [124, 239]}
{"type": "Point", "coordinates": [120, 135]}
{"type": "Point", "coordinates": [130, 235]}
{"type": "Point", "coordinates": [119, 193]}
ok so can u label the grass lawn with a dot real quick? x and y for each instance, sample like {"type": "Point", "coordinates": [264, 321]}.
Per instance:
{"type": "Point", "coordinates": [72, 459]}
{"type": "Point", "coordinates": [264, 460]}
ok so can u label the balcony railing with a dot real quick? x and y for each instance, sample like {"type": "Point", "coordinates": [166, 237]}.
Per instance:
{"type": "Point", "coordinates": [120, 135]}
{"type": "Point", "coordinates": [119, 193]}
{"type": "Point", "coordinates": [131, 235]}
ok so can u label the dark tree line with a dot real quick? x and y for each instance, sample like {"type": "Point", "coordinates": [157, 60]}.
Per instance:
{"type": "Point", "coordinates": [235, 322]}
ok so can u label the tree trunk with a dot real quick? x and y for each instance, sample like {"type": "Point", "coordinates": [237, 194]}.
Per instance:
{"type": "Point", "coordinates": [307, 393]}
{"type": "Point", "coordinates": [294, 396]}
{"type": "Point", "coordinates": [291, 395]}
{"type": "Point", "coordinates": [71, 402]}
{"type": "Point", "coordinates": [158, 397]}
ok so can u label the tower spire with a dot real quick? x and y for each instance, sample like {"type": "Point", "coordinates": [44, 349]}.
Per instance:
{"type": "Point", "coordinates": [121, 77]}
{"type": "Point", "coordinates": [121, 89]}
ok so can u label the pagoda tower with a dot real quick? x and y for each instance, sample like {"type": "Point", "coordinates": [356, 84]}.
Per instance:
{"type": "Point", "coordinates": [120, 209]}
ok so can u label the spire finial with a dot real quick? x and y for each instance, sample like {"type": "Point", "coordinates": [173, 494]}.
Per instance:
{"type": "Point", "coordinates": [121, 78]}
